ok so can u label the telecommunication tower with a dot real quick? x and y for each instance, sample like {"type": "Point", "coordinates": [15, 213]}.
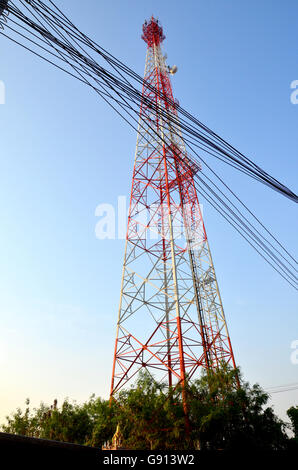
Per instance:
{"type": "Point", "coordinates": [171, 319]}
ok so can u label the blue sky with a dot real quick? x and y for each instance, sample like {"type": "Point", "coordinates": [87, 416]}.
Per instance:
{"type": "Point", "coordinates": [63, 152]}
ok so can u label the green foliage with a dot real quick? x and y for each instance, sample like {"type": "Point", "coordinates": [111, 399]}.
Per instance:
{"type": "Point", "coordinates": [227, 416]}
{"type": "Point", "coordinates": [69, 424]}
{"type": "Point", "coordinates": [222, 415]}
{"type": "Point", "coordinates": [293, 415]}
{"type": "Point", "coordinates": [149, 417]}
{"type": "Point", "coordinates": [103, 420]}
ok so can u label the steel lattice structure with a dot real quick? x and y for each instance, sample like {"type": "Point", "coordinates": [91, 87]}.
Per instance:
{"type": "Point", "coordinates": [171, 319]}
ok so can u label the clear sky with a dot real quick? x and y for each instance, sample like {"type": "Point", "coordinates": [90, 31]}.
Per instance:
{"type": "Point", "coordinates": [63, 152]}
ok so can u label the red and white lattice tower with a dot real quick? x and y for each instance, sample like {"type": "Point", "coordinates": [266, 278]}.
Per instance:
{"type": "Point", "coordinates": [171, 320]}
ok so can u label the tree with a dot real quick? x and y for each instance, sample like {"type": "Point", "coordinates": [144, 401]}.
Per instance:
{"type": "Point", "coordinates": [293, 415]}
{"type": "Point", "coordinates": [224, 411]}
{"type": "Point", "coordinates": [227, 413]}
{"type": "Point", "coordinates": [146, 417]}
{"type": "Point", "coordinates": [103, 418]}
{"type": "Point", "coordinates": [71, 423]}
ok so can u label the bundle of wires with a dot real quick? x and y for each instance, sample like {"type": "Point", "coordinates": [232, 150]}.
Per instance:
{"type": "Point", "coordinates": [282, 388]}
{"type": "Point", "coordinates": [43, 29]}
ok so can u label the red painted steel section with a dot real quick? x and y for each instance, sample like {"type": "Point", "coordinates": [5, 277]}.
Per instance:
{"type": "Point", "coordinates": [175, 353]}
{"type": "Point", "coordinates": [152, 32]}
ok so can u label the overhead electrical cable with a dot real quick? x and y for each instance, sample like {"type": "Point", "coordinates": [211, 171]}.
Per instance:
{"type": "Point", "coordinates": [205, 135]}
{"type": "Point", "coordinates": [70, 46]}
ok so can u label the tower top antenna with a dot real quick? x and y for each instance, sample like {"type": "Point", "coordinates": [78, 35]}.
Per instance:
{"type": "Point", "coordinates": [153, 32]}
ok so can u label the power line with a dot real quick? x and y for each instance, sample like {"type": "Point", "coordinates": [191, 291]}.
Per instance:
{"type": "Point", "coordinates": [200, 132]}
{"type": "Point", "coordinates": [120, 93]}
{"type": "Point", "coordinates": [282, 388]}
